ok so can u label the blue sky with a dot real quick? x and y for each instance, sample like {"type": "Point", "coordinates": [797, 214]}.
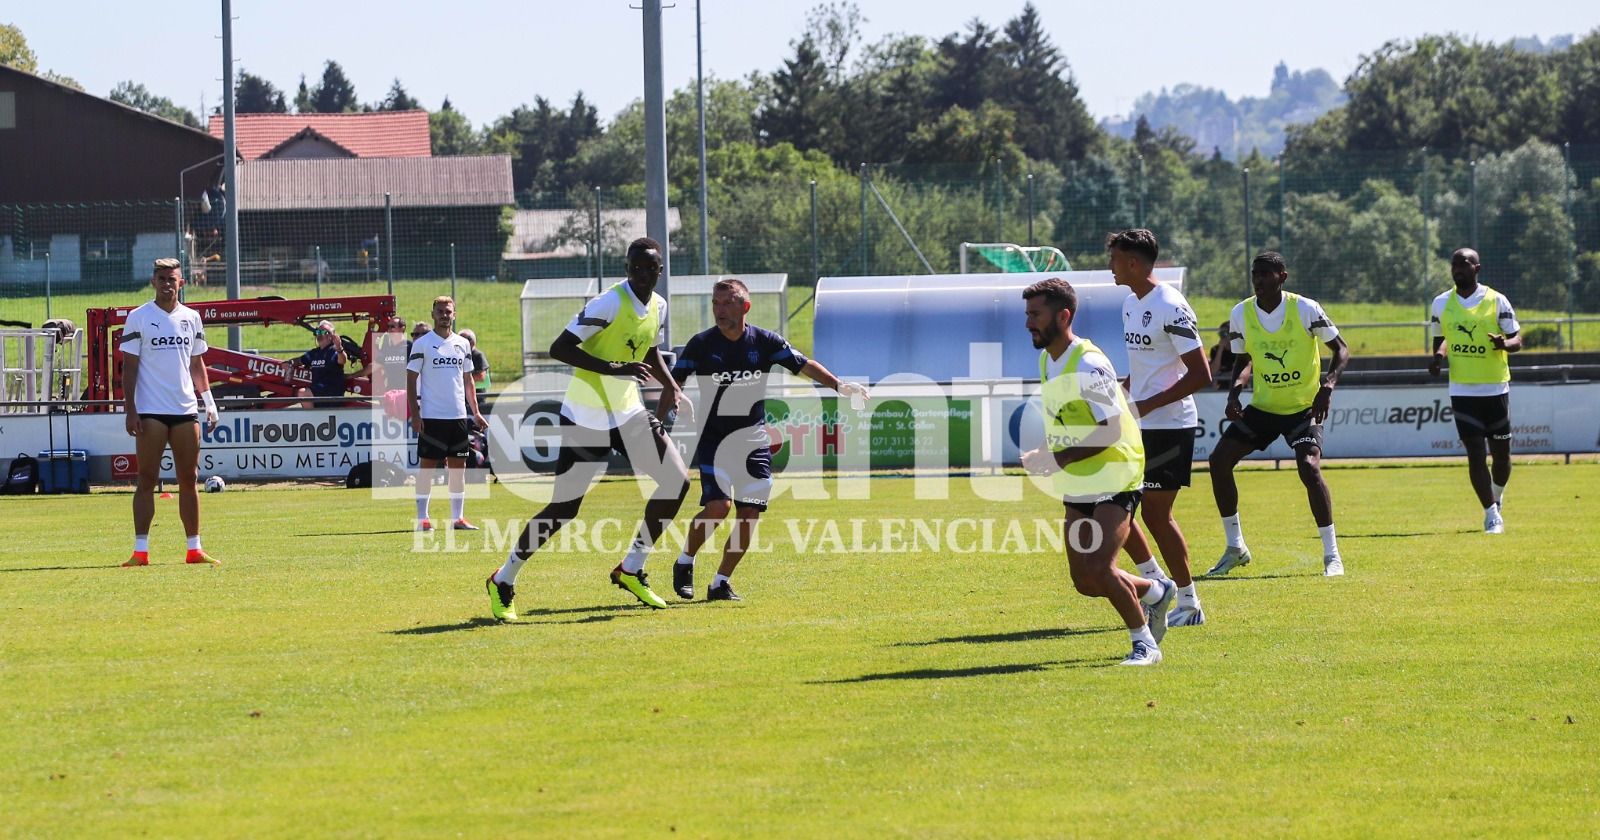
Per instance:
{"type": "Point", "coordinates": [490, 55]}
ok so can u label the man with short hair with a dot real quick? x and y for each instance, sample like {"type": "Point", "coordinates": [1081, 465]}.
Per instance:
{"type": "Point", "coordinates": [1166, 366]}
{"type": "Point", "coordinates": [1093, 450]}
{"type": "Point", "coordinates": [162, 346]}
{"type": "Point", "coordinates": [733, 454]}
{"type": "Point", "coordinates": [1278, 338]}
{"type": "Point", "coordinates": [612, 343]}
{"type": "Point", "coordinates": [440, 397]}
{"type": "Point", "coordinates": [480, 364]}
{"type": "Point", "coordinates": [1464, 325]}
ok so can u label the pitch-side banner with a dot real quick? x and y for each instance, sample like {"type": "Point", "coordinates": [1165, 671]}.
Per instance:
{"type": "Point", "coordinates": [1408, 422]}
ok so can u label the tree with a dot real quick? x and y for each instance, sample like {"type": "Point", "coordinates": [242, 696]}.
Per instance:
{"type": "Point", "coordinates": [1579, 69]}
{"type": "Point", "coordinates": [971, 71]}
{"type": "Point", "coordinates": [450, 133]}
{"type": "Point", "coordinates": [794, 111]}
{"type": "Point", "coordinates": [61, 79]}
{"type": "Point", "coordinates": [302, 98]}
{"type": "Point", "coordinates": [543, 141]}
{"type": "Point", "coordinates": [1036, 83]}
{"type": "Point", "coordinates": [334, 94]}
{"type": "Point", "coordinates": [135, 95]}
{"type": "Point", "coordinates": [398, 99]}
{"type": "Point", "coordinates": [835, 29]}
{"type": "Point", "coordinates": [255, 95]}
{"type": "Point", "coordinates": [14, 50]}
{"type": "Point", "coordinates": [982, 137]}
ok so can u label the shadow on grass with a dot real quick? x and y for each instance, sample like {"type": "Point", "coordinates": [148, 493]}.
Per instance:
{"type": "Point", "coordinates": [469, 624]}
{"type": "Point", "coordinates": [1407, 534]}
{"type": "Point", "coordinates": [1247, 578]}
{"type": "Point", "coordinates": [975, 671]}
{"type": "Point", "coordinates": [1019, 636]}
{"type": "Point", "coordinates": [62, 568]}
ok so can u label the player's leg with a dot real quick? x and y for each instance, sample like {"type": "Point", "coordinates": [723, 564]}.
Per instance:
{"type": "Point", "coordinates": [1478, 469]}
{"type": "Point", "coordinates": [184, 438]}
{"type": "Point", "coordinates": [1499, 426]}
{"type": "Point", "coordinates": [714, 507]}
{"type": "Point", "coordinates": [578, 464]}
{"type": "Point", "coordinates": [148, 448]}
{"type": "Point", "coordinates": [740, 537]}
{"type": "Point", "coordinates": [1308, 463]}
{"type": "Point", "coordinates": [1229, 451]}
{"type": "Point", "coordinates": [425, 470]}
{"type": "Point", "coordinates": [1140, 552]}
{"type": "Point", "coordinates": [1094, 538]}
{"type": "Point", "coordinates": [1163, 526]}
{"type": "Point", "coordinates": [642, 437]}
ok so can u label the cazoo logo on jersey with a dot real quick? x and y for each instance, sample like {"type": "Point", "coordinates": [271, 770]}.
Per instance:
{"type": "Point", "coordinates": [732, 376]}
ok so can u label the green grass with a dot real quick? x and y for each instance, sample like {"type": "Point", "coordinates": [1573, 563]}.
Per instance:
{"type": "Point", "coordinates": [327, 680]}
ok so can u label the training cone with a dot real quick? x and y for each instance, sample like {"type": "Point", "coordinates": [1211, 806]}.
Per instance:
{"type": "Point", "coordinates": [166, 495]}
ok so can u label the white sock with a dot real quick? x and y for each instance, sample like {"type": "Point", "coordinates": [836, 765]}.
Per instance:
{"type": "Point", "coordinates": [141, 542]}
{"type": "Point", "coordinates": [1499, 491]}
{"type": "Point", "coordinates": [1233, 531]}
{"type": "Point", "coordinates": [458, 506]}
{"type": "Point", "coordinates": [507, 574]}
{"type": "Point", "coordinates": [1187, 595]}
{"type": "Point", "coordinates": [719, 580]}
{"type": "Point", "coordinates": [1494, 507]}
{"type": "Point", "coordinates": [634, 561]}
{"type": "Point", "coordinates": [194, 543]}
{"type": "Point", "coordinates": [422, 505]}
{"type": "Point", "coordinates": [686, 559]}
{"type": "Point", "coordinates": [1330, 545]}
{"type": "Point", "coordinates": [1142, 634]}
{"type": "Point", "coordinates": [1151, 569]}
{"type": "Point", "coordinates": [1153, 595]}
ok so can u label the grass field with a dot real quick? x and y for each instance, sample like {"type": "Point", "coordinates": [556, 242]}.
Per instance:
{"type": "Point", "coordinates": [329, 681]}
{"type": "Point", "coordinates": [494, 312]}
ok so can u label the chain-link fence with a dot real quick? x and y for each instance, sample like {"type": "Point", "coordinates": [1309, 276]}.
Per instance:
{"type": "Point", "coordinates": [1359, 231]}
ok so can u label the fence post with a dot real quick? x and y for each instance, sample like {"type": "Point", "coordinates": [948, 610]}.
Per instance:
{"type": "Point", "coordinates": [1473, 173]}
{"type": "Point", "coordinates": [599, 254]}
{"type": "Point", "coordinates": [319, 270]}
{"type": "Point", "coordinates": [1283, 211]}
{"type": "Point", "coordinates": [1567, 177]}
{"type": "Point", "coordinates": [452, 271]}
{"type": "Point", "coordinates": [1142, 193]}
{"type": "Point", "coordinates": [47, 285]}
{"type": "Point", "coordinates": [999, 204]}
{"type": "Point", "coordinates": [816, 245]}
{"type": "Point", "coordinates": [388, 237]}
{"type": "Point", "coordinates": [1245, 173]}
{"type": "Point", "coordinates": [1031, 242]}
{"type": "Point", "coordinates": [1422, 199]}
{"type": "Point", "coordinates": [864, 269]}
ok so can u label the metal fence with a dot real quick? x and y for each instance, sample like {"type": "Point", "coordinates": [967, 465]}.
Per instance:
{"type": "Point", "coordinates": [1355, 229]}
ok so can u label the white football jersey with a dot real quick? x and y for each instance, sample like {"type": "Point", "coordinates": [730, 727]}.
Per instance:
{"type": "Point", "coordinates": [1158, 329]}
{"type": "Point", "coordinates": [165, 342]}
{"type": "Point", "coordinates": [439, 364]}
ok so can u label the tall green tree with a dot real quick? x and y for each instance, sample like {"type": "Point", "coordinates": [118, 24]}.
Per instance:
{"type": "Point", "coordinates": [136, 95]}
{"type": "Point", "coordinates": [450, 133]}
{"type": "Point", "coordinates": [794, 111]}
{"type": "Point", "coordinates": [255, 95]}
{"type": "Point", "coordinates": [14, 50]}
{"type": "Point", "coordinates": [334, 94]}
{"type": "Point", "coordinates": [543, 141]}
{"type": "Point", "coordinates": [1038, 86]}
{"type": "Point", "coordinates": [398, 99]}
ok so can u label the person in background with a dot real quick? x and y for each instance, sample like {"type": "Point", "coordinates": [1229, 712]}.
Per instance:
{"type": "Point", "coordinates": [480, 371]}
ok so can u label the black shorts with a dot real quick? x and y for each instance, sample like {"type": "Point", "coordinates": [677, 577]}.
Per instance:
{"type": "Point", "coordinates": [442, 439]}
{"type": "Point", "coordinates": [1168, 454]}
{"type": "Point", "coordinates": [1259, 429]}
{"type": "Point", "coordinates": [1482, 417]}
{"type": "Point", "coordinates": [171, 421]}
{"type": "Point", "coordinates": [1128, 500]}
{"type": "Point", "coordinates": [750, 489]}
{"type": "Point", "coordinates": [583, 445]}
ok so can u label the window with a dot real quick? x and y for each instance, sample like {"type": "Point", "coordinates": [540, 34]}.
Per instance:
{"type": "Point", "coordinates": [8, 109]}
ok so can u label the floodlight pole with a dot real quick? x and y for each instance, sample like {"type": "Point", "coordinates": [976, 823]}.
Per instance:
{"type": "Point", "coordinates": [700, 104]}
{"type": "Point", "coordinates": [655, 154]}
{"type": "Point", "coordinates": [230, 169]}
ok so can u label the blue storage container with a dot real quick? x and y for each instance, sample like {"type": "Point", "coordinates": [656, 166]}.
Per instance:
{"type": "Point", "coordinates": [64, 471]}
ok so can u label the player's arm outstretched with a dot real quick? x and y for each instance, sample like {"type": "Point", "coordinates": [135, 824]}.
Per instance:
{"type": "Point", "coordinates": [814, 371]}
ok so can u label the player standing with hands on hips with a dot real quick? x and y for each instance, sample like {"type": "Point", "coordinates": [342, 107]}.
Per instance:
{"type": "Point", "coordinates": [162, 372]}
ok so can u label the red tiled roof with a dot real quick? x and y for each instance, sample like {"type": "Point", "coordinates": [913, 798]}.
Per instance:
{"type": "Point", "coordinates": [378, 134]}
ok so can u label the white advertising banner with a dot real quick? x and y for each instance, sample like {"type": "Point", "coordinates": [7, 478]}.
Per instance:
{"type": "Point", "coordinates": [281, 443]}
{"type": "Point", "coordinates": [1385, 422]}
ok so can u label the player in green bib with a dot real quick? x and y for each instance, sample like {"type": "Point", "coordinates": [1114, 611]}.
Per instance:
{"type": "Point", "coordinates": [612, 345]}
{"type": "Point", "coordinates": [1278, 338]}
{"type": "Point", "coordinates": [1475, 328]}
{"type": "Point", "coordinates": [1095, 456]}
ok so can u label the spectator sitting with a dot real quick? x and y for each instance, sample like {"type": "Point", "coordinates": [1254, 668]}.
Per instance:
{"type": "Point", "coordinates": [1221, 358]}
{"type": "Point", "coordinates": [326, 362]}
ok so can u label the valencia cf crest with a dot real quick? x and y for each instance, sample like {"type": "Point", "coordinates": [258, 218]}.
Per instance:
{"type": "Point", "coordinates": [755, 356]}
{"type": "Point", "coordinates": [1147, 318]}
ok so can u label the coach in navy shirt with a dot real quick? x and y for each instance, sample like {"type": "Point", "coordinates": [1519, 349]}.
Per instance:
{"type": "Point", "coordinates": [326, 362]}
{"type": "Point", "coordinates": [731, 362]}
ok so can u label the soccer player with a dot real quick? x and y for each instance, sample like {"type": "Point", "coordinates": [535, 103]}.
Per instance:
{"type": "Point", "coordinates": [733, 453]}
{"type": "Point", "coordinates": [1166, 366]}
{"type": "Point", "coordinates": [1464, 323]}
{"type": "Point", "coordinates": [612, 344]}
{"type": "Point", "coordinates": [1092, 448]}
{"type": "Point", "coordinates": [1278, 338]}
{"type": "Point", "coordinates": [443, 410]}
{"type": "Point", "coordinates": [162, 372]}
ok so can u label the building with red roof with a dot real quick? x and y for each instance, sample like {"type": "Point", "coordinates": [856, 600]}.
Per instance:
{"type": "Point", "coordinates": [376, 134]}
